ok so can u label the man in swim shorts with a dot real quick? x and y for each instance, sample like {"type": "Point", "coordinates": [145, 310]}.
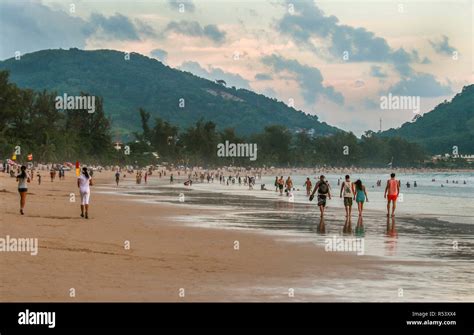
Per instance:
{"type": "Point", "coordinates": [391, 193]}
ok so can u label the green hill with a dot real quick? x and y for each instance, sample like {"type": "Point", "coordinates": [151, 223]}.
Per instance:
{"type": "Point", "coordinates": [144, 82]}
{"type": "Point", "coordinates": [448, 124]}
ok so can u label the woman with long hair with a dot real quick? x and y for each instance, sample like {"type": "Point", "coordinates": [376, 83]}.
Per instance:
{"type": "Point", "coordinates": [23, 178]}
{"type": "Point", "coordinates": [360, 195]}
{"type": "Point", "coordinates": [84, 181]}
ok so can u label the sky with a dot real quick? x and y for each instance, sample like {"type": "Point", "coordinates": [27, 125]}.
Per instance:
{"type": "Point", "coordinates": [334, 59]}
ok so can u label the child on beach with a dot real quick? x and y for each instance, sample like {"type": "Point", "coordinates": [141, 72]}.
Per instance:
{"type": "Point", "coordinates": [392, 189]}
{"type": "Point", "coordinates": [84, 181]}
{"type": "Point", "coordinates": [23, 178]}
{"type": "Point", "coordinates": [360, 196]}
{"type": "Point", "coordinates": [323, 191]}
{"type": "Point", "coordinates": [348, 189]}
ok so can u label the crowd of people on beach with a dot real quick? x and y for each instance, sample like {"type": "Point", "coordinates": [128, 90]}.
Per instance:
{"type": "Point", "coordinates": [349, 191]}
{"type": "Point", "coordinates": [24, 177]}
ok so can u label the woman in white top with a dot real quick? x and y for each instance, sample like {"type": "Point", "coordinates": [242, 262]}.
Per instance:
{"type": "Point", "coordinates": [23, 178]}
{"type": "Point", "coordinates": [84, 181]}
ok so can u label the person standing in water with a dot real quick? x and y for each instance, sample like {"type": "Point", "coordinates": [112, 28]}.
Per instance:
{"type": "Point", "coordinates": [276, 184]}
{"type": "Point", "coordinates": [360, 196]}
{"type": "Point", "coordinates": [23, 178]}
{"type": "Point", "coordinates": [289, 186]}
{"type": "Point", "coordinates": [323, 191]}
{"type": "Point", "coordinates": [84, 182]}
{"type": "Point", "coordinates": [308, 185]}
{"type": "Point", "coordinates": [392, 190]}
{"type": "Point", "coordinates": [281, 183]}
{"type": "Point", "coordinates": [348, 189]}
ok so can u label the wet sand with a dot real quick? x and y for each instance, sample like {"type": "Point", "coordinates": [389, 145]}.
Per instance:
{"type": "Point", "coordinates": [165, 255]}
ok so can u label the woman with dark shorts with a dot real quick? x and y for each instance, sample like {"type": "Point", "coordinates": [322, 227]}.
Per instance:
{"type": "Point", "coordinates": [23, 178]}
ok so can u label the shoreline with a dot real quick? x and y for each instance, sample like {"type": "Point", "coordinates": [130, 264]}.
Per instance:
{"type": "Point", "coordinates": [165, 254]}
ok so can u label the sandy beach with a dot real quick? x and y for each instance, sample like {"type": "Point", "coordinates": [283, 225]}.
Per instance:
{"type": "Point", "coordinates": [165, 256]}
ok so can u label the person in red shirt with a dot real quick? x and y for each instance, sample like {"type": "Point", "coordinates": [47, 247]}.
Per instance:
{"type": "Point", "coordinates": [392, 190]}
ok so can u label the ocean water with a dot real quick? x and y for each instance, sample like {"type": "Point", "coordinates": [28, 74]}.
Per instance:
{"type": "Point", "coordinates": [428, 246]}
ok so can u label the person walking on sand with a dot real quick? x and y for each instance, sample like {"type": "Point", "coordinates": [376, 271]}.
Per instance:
{"type": "Point", "coordinates": [392, 190]}
{"type": "Point", "coordinates": [360, 196]}
{"type": "Point", "coordinates": [23, 178]}
{"type": "Point", "coordinates": [308, 185]}
{"type": "Point", "coordinates": [348, 189]}
{"type": "Point", "coordinates": [323, 191]}
{"type": "Point", "coordinates": [84, 182]}
{"type": "Point", "coordinates": [117, 177]}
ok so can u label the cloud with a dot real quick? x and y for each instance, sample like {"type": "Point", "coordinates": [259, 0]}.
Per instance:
{"type": "Point", "coordinates": [41, 27]}
{"type": "Point", "coordinates": [308, 25]}
{"type": "Point", "coordinates": [213, 74]}
{"type": "Point", "coordinates": [420, 84]}
{"type": "Point", "coordinates": [31, 26]}
{"type": "Point", "coordinates": [117, 27]}
{"type": "Point", "coordinates": [193, 28]}
{"type": "Point", "coordinates": [270, 92]}
{"type": "Point", "coordinates": [309, 79]}
{"type": "Point", "coordinates": [376, 71]}
{"type": "Point", "coordinates": [370, 104]}
{"type": "Point", "coordinates": [188, 5]}
{"type": "Point", "coordinates": [359, 83]}
{"type": "Point", "coordinates": [263, 76]}
{"type": "Point", "coordinates": [442, 47]}
{"type": "Point", "coordinates": [159, 54]}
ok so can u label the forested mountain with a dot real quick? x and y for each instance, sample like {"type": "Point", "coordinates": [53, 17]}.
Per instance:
{"type": "Point", "coordinates": [449, 124]}
{"type": "Point", "coordinates": [142, 82]}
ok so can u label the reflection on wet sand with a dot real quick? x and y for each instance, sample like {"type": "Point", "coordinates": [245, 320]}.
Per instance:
{"type": "Point", "coordinates": [360, 230]}
{"type": "Point", "coordinates": [321, 227]}
{"type": "Point", "coordinates": [347, 229]}
{"type": "Point", "coordinates": [392, 236]}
